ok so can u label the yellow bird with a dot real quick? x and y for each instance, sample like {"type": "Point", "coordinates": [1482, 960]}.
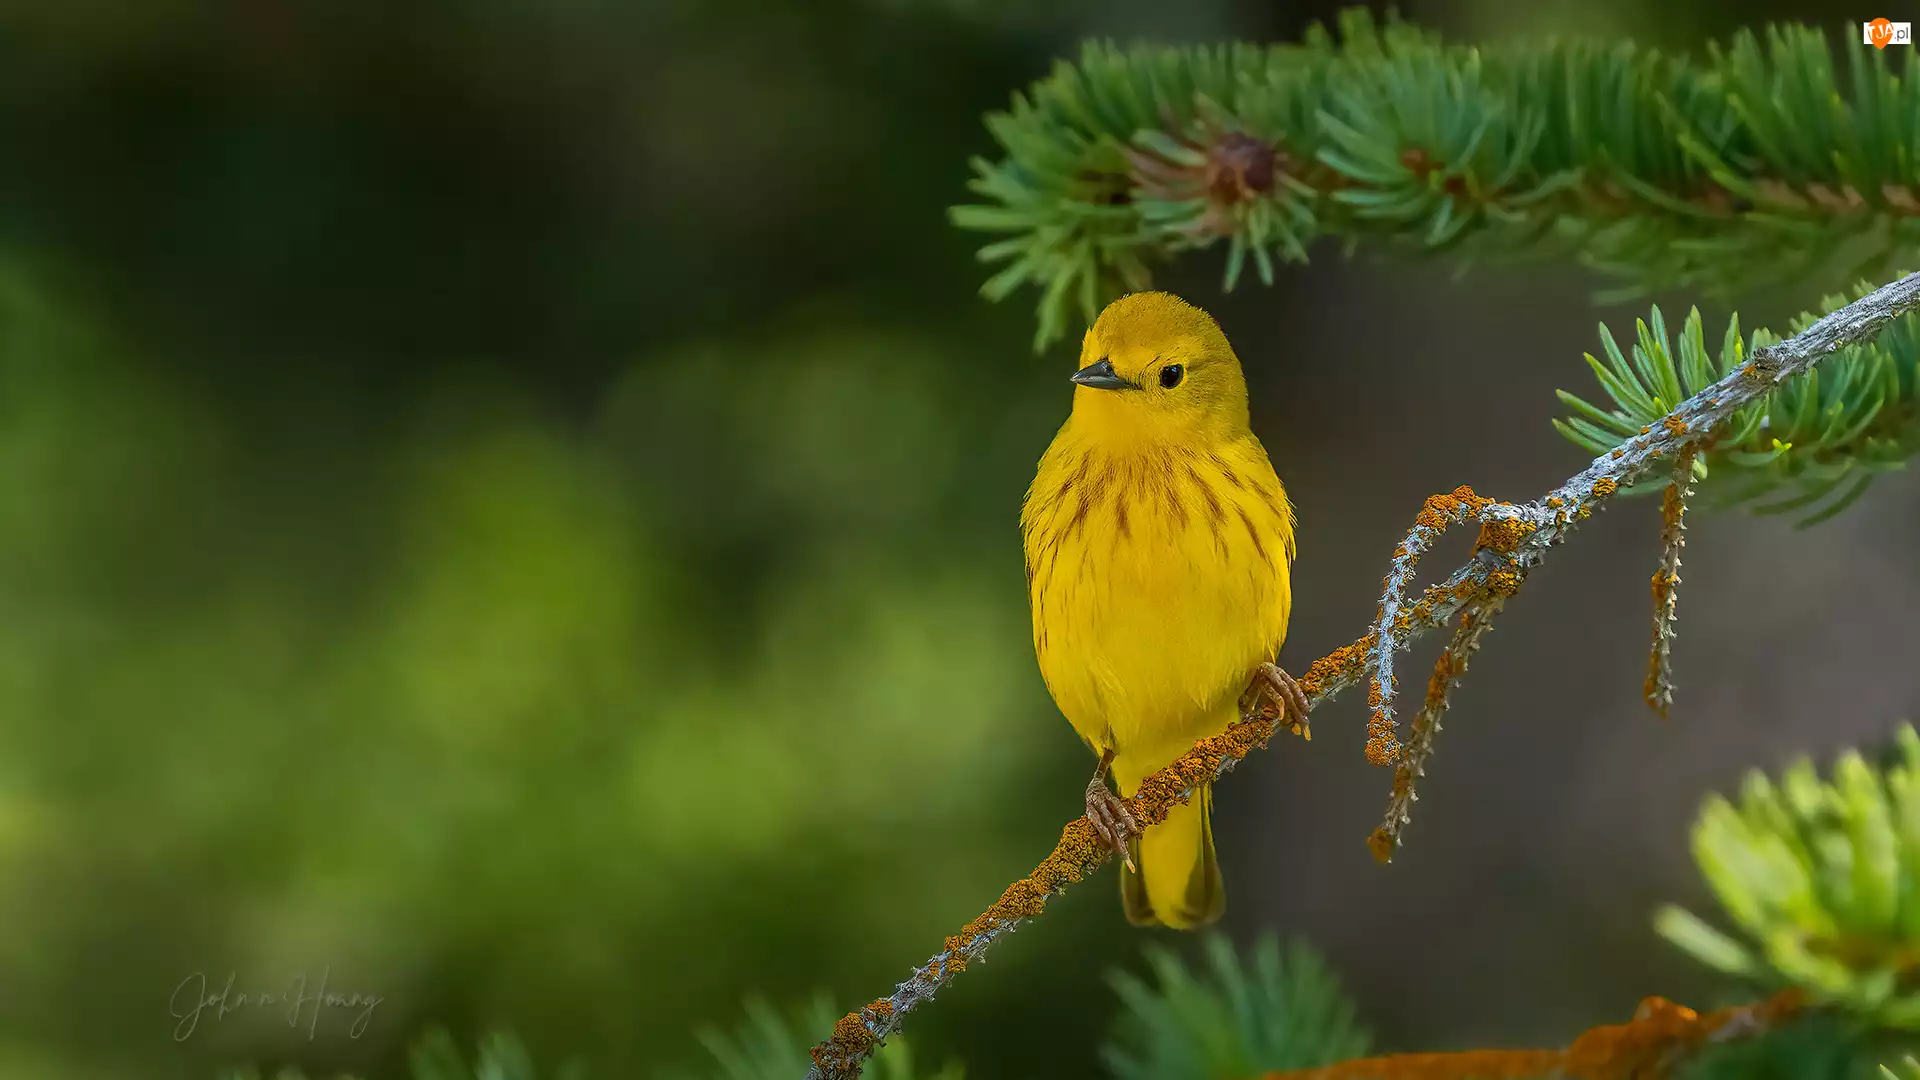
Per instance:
{"type": "Point", "coordinates": [1158, 543]}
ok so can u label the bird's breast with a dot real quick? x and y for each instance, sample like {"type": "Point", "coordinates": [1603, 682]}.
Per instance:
{"type": "Point", "coordinates": [1157, 580]}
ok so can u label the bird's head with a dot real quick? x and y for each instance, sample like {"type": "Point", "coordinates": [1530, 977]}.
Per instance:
{"type": "Point", "coordinates": [1155, 368]}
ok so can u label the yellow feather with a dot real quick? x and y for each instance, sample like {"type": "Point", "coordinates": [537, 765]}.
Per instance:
{"type": "Point", "coordinates": [1158, 542]}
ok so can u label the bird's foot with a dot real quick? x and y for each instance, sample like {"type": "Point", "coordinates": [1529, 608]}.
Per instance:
{"type": "Point", "coordinates": [1110, 818]}
{"type": "Point", "coordinates": [1288, 699]}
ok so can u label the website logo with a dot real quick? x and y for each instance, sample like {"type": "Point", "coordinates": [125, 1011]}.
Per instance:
{"type": "Point", "coordinates": [1881, 33]}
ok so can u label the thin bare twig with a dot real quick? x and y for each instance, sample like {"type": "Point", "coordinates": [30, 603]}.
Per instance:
{"type": "Point", "coordinates": [1515, 538]}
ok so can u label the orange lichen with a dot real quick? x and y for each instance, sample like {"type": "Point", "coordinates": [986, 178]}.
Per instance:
{"type": "Point", "coordinates": [1604, 487]}
{"type": "Point", "coordinates": [1504, 534]}
{"type": "Point", "coordinates": [1383, 743]}
{"type": "Point", "coordinates": [1420, 612]}
{"type": "Point", "coordinates": [1443, 510]}
{"type": "Point", "coordinates": [1445, 669]}
{"type": "Point", "coordinates": [1383, 750]}
{"type": "Point", "coordinates": [1159, 793]}
{"type": "Point", "coordinates": [1381, 843]}
{"type": "Point", "coordinates": [852, 1032]}
{"type": "Point", "coordinates": [1503, 583]}
{"type": "Point", "coordinates": [1618, 454]}
{"type": "Point", "coordinates": [1079, 852]}
{"type": "Point", "coordinates": [1341, 664]}
{"type": "Point", "coordinates": [1654, 1044]}
{"type": "Point", "coordinates": [1660, 1031]}
{"type": "Point", "coordinates": [1411, 617]}
{"type": "Point", "coordinates": [1644, 430]}
{"type": "Point", "coordinates": [1553, 501]}
{"type": "Point", "coordinates": [1674, 425]}
{"type": "Point", "coordinates": [1672, 505]}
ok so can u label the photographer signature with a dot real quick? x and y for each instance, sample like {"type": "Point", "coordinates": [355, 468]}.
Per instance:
{"type": "Point", "coordinates": [195, 998]}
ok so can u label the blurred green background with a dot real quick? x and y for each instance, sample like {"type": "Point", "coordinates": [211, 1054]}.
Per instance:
{"type": "Point", "coordinates": [513, 505]}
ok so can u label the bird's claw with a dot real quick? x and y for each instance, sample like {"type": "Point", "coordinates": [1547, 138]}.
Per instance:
{"type": "Point", "coordinates": [1288, 699]}
{"type": "Point", "coordinates": [1110, 818]}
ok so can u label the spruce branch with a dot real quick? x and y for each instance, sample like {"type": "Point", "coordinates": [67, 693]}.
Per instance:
{"type": "Point", "coordinates": [1268, 1010]}
{"type": "Point", "coordinates": [1819, 439]}
{"type": "Point", "coordinates": [1525, 534]}
{"type": "Point", "coordinates": [1817, 873]}
{"type": "Point", "coordinates": [1759, 164]}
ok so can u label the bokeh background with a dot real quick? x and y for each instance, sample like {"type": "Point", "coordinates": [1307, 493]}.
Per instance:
{"type": "Point", "coordinates": [513, 505]}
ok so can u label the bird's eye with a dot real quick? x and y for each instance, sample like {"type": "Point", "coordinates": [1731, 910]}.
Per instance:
{"type": "Point", "coordinates": [1171, 375]}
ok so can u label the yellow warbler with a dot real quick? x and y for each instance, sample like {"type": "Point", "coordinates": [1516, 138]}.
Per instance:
{"type": "Point", "coordinates": [1158, 541]}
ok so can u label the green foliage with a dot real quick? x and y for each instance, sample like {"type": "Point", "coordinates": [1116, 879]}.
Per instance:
{"type": "Point", "coordinates": [388, 701]}
{"type": "Point", "coordinates": [764, 1046]}
{"type": "Point", "coordinates": [1813, 1048]}
{"type": "Point", "coordinates": [1824, 878]}
{"type": "Point", "coordinates": [1232, 1020]}
{"type": "Point", "coordinates": [501, 1056]}
{"type": "Point", "coordinates": [768, 1046]}
{"type": "Point", "coordinates": [1759, 164]}
{"type": "Point", "coordinates": [1909, 1069]}
{"type": "Point", "coordinates": [1817, 439]}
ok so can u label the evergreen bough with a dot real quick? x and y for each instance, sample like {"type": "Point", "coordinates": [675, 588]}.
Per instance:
{"type": "Point", "coordinates": [1271, 1012]}
{"type": "Point", "coordinates": [1824, 878]}
{"type": "Point", "coordinates": [1812, 445]}
{"type": "Point", "coordinates": [1764, 162]}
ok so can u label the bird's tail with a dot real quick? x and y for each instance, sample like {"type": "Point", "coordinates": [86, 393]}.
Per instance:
{"type": "Point", "coordinates": [1178, 881]}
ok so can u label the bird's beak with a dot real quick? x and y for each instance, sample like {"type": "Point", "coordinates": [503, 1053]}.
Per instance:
{"type": "Point", "coordinates": [1101, 376]}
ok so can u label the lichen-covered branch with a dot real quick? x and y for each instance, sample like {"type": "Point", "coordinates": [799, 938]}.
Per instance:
{"type": "Point", "coordinates": [1475, 621]}
{"type": "Point", "coordinates": [1658, 1042]}
{"type": "Point", "coordinates": [1666, 583]}
{"type": "Point", "coordinates": [1502, 526]}
{"type": "Point", "coordinates": [1514, 539]}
